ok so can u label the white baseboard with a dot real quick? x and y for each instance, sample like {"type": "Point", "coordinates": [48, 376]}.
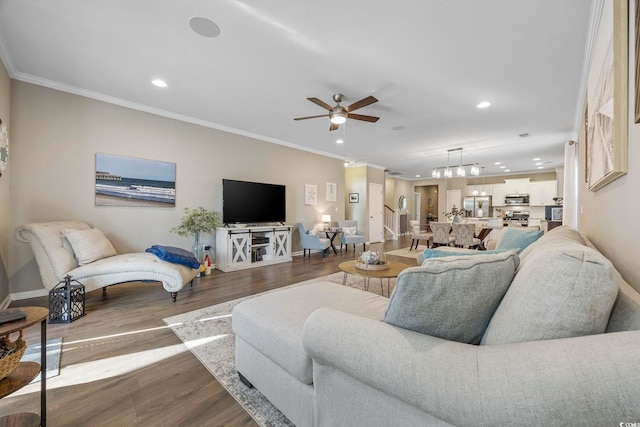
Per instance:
{"type": "Point", "coordinates": [29, 294]}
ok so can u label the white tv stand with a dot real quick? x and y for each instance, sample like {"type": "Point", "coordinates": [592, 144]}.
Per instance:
{"type": "Point", "coordinates": [252, 246]}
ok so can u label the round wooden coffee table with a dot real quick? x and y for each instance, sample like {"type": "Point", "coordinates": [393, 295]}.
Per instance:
{"type": "Point", "coordinates": [395, 268]}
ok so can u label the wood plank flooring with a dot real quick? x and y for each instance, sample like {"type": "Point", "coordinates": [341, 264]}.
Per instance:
{"type": "Point", "coordinates": [121, 365]}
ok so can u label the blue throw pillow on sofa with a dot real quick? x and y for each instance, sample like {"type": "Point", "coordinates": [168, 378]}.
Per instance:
{"type": "Point", "coordinates": [517, 238]}
{"type": "Point", "coordinates": [174, 255]}
{"type": "Point", "coordinates": [439, 253]}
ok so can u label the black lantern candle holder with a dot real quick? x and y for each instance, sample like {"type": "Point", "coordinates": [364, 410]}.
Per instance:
{"type": "Point", "coordinates": [66, 301]}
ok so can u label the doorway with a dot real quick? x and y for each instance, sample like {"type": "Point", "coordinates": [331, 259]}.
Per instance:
{"type": "Point", "coordinates": [376, 218]}
{"type": "Point", "coordinates": [427, 205]}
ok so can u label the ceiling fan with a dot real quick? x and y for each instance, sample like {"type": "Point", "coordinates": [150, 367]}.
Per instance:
{"type": "Point", "coordinates": [339, 114]}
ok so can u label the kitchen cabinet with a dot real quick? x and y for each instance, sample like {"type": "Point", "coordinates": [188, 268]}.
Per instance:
{"type": "Point", "coordinates": [497, 193]}
{"type": "Point", "coordinates": [543, 192]}
{"type": "Point", "coordinates": [517, 186]}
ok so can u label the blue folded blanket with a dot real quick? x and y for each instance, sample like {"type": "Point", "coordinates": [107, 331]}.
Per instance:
{"type": "Point", "coordinates": [174, 255]}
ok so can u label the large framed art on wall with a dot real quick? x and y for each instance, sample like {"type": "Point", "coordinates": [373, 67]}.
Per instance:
{"type": "Point", "coordinates": [607, 98]}
{"type": "Point", "coordinates": [129, 181]}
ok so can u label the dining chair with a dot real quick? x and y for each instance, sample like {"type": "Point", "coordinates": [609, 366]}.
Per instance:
{"type": "Point", "coordinates": [417, 234]}
{"type": "Point", "coordinates": [465, 235]}
{"type": "Point", "coordinates": [441, 233]}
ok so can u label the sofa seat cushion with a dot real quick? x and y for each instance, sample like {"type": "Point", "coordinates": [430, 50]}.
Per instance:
{"type": "Point", "coordinates": [272, 323]}
{"type": "Point", "coordinates": [451, 297]}
{"type": "Point", "coordinates": [139, 266]}
{"type": "Point", "coordinates": [559, 291]}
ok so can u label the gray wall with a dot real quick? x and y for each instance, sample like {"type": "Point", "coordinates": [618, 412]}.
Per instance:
{"type": "Point", "coordinates": [6, 233]}
{"type": "Point", "coordinates": [56, 136]}
{"type": "Point", "coordinates": [609, 215]}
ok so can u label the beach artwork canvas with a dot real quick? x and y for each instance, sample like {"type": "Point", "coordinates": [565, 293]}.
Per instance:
{"type": "Point", "coordinates": [129, 181]}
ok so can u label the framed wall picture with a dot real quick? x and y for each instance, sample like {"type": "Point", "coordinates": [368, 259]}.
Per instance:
{"type": "Point", "coordinates": [310, 194]}
{"type": "Point", "coordinates": [607, 98]}
{"type": "Point", "coordinates": [129, 181]}
{"type": "Point", "coordinates": [354, 197]}
{"type": "Point", "coordinates": [332, 190]}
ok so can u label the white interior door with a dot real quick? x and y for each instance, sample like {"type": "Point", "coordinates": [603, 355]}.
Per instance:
{"type": "Point", "coordinates": [376, 213]}
{"type": "Point", "coordinates": [454, 198]}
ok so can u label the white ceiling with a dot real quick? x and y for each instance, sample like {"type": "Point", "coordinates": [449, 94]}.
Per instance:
{"type": "Point", "coordinates": [428, 62]}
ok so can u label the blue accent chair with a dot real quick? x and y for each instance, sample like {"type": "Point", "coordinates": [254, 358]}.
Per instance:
{"type": "Point", "coordinates": [312, 241]}
{"type": "Point", "coordinates": [351, 235]}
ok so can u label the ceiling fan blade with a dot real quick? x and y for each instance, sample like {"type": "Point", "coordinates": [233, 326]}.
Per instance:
{"type": "Point", "coordinates": [362, 103]}
{"type": "Point", "coordinates": [311, 117]}
{"type": "Point", "coordinates": [364, 118]}
{"type": "Point", "coordinates": [333, 126]}
{"type": "Point", "coordinates": [321, 103]}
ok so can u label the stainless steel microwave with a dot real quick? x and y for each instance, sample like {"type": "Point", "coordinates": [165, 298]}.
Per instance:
{"type": "Point", "coordinates": [516, 200]}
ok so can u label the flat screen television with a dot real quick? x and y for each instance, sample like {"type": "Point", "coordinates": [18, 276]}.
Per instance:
{"type": "Point", "coordinates": [252, 202]}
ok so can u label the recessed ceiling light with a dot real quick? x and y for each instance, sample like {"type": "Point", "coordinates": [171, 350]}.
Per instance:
{"type": "Point", "coordinates": [540, 167]}
{"type": "Point", "coordinates": [507, 170]}
{"type": "Point", "coordinates": [502, 167]}
{"type": "Point", "coordinates": [497, 163]}
{"type": "Point", "coordinates": [204, 27]}
{"type": "Point", "coordinates": [417, 176]}
{"type": "Point", "coordinates": [159, 83]}
{"type": "Point", "coordinates": [483, 104]}
{"type": "Point", "coordinates": [537, 159]}
{"type": "Point", "coordinates": [339, 141]}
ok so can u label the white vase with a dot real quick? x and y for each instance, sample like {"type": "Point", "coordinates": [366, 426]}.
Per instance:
{"type": "Point", "coordinates": [479, 213]}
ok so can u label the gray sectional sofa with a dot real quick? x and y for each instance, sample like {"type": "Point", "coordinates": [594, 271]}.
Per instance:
{"type": "Point", "coordinates": [547, 337]}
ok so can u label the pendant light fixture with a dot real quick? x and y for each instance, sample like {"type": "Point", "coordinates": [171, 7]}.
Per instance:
{"type": "Point", "coordinates": [461, 171]}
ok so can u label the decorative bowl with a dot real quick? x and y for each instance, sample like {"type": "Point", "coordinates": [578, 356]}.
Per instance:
{"type": "Point", "coordinates": [383, 265]}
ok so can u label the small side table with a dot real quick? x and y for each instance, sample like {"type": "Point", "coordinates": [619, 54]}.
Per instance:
{"type": "Point", "coordinates": [331, 235]}
{"type": "Point", "coordinates": [26, 371]}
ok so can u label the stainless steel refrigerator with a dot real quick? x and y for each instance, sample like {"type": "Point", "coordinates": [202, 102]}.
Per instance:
{"type": "Point", "coordinates": [473, 203]}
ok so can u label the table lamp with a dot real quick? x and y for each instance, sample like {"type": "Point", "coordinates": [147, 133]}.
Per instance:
{"type": "Point", "coordinates": [326, 219]}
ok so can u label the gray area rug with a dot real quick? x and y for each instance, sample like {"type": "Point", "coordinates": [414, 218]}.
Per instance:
{"type": "Point", "coordinates": [207, 334]}
{"type": "Point", "coordinates": [54, 348]}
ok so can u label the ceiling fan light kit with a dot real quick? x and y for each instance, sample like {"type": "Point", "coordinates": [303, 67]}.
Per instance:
{"type": "Point", "coordinates": [339, 114]}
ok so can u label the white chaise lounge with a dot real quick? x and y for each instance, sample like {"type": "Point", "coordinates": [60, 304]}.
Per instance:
{"type": "Point", "coordinates": [56, 258]}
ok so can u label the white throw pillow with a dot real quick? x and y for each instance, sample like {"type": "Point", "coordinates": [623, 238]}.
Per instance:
{"type": "Point", "coordinates": [89, 245]}
{"type": "Point", "coordinates": [349, 230]}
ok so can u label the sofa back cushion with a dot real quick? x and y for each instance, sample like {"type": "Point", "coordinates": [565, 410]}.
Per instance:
{"type": "Point", "coordinates": [559, 235]}
{"type": "Point", "coordinates": [453, 297]}
{"type": "Point", "coordinates": [561, 290]}
{"type": "Point", "coordinates": [52, 250]}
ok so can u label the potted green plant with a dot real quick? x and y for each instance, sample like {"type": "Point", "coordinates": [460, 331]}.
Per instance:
{"type": "Point", "coordinates": [455, 213]}
{"type": "Point", "coordinates": [194, 222]}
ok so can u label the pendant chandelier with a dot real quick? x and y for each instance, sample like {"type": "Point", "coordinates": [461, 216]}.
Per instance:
{"type": "Point", "coordinates": [461, 171]}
